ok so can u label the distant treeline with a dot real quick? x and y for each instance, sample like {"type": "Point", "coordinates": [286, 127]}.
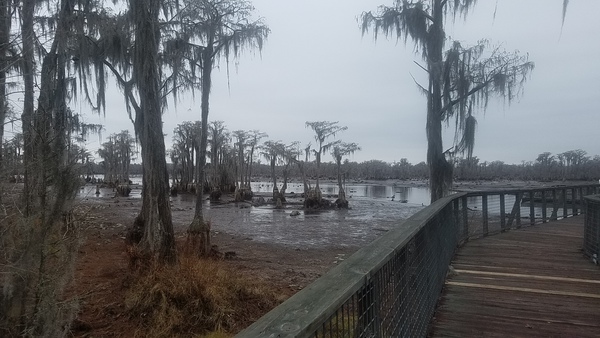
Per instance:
{"type": "Point", "coordinates": [572, 165]}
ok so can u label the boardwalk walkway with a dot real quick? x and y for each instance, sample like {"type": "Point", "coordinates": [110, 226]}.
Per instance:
{"type": "Point", "coordinates": [531, 282]}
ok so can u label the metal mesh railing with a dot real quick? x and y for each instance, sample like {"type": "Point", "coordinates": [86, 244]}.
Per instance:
{"type": "Point", "coordinates": [387, 289]}
{"type": "Point", "coordinates": [591, 233]}
{"type": "Point", "coordinates": [390, 288]}
{"type": "Point", "coordinates": [400, 297]}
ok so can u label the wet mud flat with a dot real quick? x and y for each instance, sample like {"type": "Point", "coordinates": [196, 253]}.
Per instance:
{"type": "Point", "coordinates": [364, 221]}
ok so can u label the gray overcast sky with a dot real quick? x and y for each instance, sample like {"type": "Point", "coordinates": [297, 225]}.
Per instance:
{"type": "Point", "coordinates": [317, 66]}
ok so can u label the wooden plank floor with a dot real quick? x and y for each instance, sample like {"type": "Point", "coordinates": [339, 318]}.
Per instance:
{"type": "Point", "coordinates": [531, 282]}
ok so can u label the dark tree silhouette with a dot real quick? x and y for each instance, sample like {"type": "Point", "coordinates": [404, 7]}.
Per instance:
{"type": "Point", "coordinates": [323, 130]}
{"type": "Point", "coordinates": [338, 152]}
{"type": "Point", "coordinates": [158, 238]}
{"type": "Point", "coordinates": [460, 79]}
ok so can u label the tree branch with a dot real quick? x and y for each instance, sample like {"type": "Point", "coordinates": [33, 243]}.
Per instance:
{"type": "Point", "coordinates": [127, 88]}
{"type": "Point", "coordinates": [473, 90]}
{"type": "Point", "coordinates": [420, 66]}
{"type": "Point", "coordinates": [423, 90]}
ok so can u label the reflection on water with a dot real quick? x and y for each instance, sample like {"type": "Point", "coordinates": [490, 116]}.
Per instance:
{"type": "Point", "coordinates": [89, 191]}
{"type": "Point", "coordinates": [415, 195]}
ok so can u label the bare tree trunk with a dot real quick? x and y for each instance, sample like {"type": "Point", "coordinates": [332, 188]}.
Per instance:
{"type": "Point", "coordinates": [440, 171]}
{"type": "Point", "coordinates": [28, 37]}
{"type": "Point", "coordinates": [317, 188]}
{"type": "Point", "coordinates": [199, 230]}
{"type": "Point", "coordinates": [241, 163]}
{"type": "Point", "coordinates": [275, 189]}
{"type": "Point", "coordinates": [158, 239]}
{"type": "Point", "coordinates": [5, 21]}
{"type": "Point", "coordinates": [249, 166]}
{"type": "Point", "coordinates": [285, 180]}
{"type": "Point", "coordinates": [339, 176]}
{"type": "Point", "coordinates": [303, 173]}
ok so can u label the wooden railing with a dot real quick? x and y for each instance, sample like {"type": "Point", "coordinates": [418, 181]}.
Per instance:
{"type": "Point", "coordinates": [591, 232]}
{"type": "Point", "coordinates": [493, 211]}
{"type": "Point", "coordinates": [390, 287]}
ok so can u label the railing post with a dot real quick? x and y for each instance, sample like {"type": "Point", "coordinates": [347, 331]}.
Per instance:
{"type": "Point", "coordinates": [531, 207]}
{"type": "Point", "coordinates": [554, 216]}
{"type": "Point", "coordinates": [591, 230]}
{"type": "Point", "coordinates": [580, 201]}
{"type": "Point", "coordinates": [456, 216]}
{"type": "Point", "coordinates": [484, 207]}
{"type": "Point", "coordinates": [465, 218]}
{"type": "Point", "coordinates": [515, 213]}
{"type": "Point", "coordinates": [573, 201]}
{"type": "Point", "coordinates": [502, 213]}
{"type": "Point", "coordinates": [544, 207]}
{"type": "Point", "coordinates": [564, 200]}
{"type": "Point", "coordinates": [519, 199]}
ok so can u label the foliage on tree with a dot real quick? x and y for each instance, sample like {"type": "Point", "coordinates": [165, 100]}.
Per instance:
{"type": "Point", "coordinates": [222, 160]}
{"type": "Point", "coordinates": [323, 131]}
{"type": "Point", "coordinates": [117, 154]}
{"type": "Point", "coordinates": [461, 79]}
{"type": "Point", "coordinates": [271, 151]}
{"type": "Point", "coordinates": [184, 155]}
{"type": "Point", "coordinates": [254, 137]}
{"type": "Point", "coordinates": [338, 151]}
{"type": "Point", "coordinates": [289, 155]}
{"type": "Point", "coordinates": [241, 138]}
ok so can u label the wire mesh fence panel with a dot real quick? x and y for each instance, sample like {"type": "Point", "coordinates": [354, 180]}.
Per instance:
{"type": "Point", "coordinates": [398, 300]}
{"type": "Point", "coordinates": [591, 233]}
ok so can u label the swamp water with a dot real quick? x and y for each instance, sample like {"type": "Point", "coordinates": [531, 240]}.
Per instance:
{"type": "Point", "coordinates": [374, 210]}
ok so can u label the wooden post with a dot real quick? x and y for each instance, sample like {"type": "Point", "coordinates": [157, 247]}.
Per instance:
{"type": "Point", "coordinates": [544, 207]}
{"type": "Point", "coordinates": [531, 207]}
{"type": "Point", "coordinates": [554, 216]}
{"type": "Point", "coordinates": [484, 207]}
{"type": "Point", "coordinates": [515, 212]}
{"type": "Point", "coordinates": [564, 203]}
{"type": "Point", "coordinates": [456, 216]}
{"type": "Point", "coordinates": [465, 219]}
{"type": "Point", "coordinates": [517, 208]}
{"type": "Point", "coordinates": [574, 201]}
{"type": "Point", "coordinates": [580, 201]}
{"type": "Point", "coordinates": [502, 213]}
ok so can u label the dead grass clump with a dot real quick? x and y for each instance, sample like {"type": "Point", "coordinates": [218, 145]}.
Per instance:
{"type": "Point", "coordinates": [195, 297]}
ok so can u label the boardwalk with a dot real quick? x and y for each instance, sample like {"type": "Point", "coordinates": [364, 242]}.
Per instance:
{"type": "Point", "coordinates": [524, 283]}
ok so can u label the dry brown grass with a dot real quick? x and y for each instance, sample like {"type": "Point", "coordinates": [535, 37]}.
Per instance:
{"type": "Point", "coordinates": [196, 297]}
